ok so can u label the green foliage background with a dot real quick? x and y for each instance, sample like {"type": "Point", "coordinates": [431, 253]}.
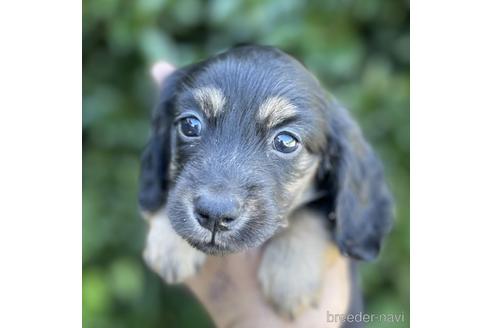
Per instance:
{"type": "Point", "coordinates": [358, 49]}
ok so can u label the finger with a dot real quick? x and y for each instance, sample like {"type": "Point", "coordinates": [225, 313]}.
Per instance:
{"type": "Point", "coordinates": [160, 71]}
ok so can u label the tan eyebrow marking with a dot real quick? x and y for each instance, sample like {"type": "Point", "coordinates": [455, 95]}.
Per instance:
{"type": "Point", "coordinates": [275, 110]}
{"type": "Point", "coordinates": [211, 100]}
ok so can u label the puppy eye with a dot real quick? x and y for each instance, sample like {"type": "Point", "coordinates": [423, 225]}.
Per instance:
{"type": "Point", "coordinates": [190, 126]}
{"type": "Point", "coordinates": [285, 142]}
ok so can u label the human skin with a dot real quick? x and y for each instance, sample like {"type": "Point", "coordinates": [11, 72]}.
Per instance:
{"type": "Point", "coordinates": [228, 288]}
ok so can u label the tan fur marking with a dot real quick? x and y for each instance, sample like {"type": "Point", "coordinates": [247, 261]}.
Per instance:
{"type": "Point", "coordinates": [339, 286]}
{"type": "Point", "coordinates": [211, 100]}
{"type": "Point", "coordinates": [274, 110]}
{"type": "Point", "coordinates": [299, 187]}
{"type": "Point", "coordinates": [300, 252]}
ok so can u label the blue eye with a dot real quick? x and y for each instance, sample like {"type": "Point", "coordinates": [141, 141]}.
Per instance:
{"type": "Point", "coordinates": [190, 126]}
{"type": "Point", "coordinates": [285, 142]}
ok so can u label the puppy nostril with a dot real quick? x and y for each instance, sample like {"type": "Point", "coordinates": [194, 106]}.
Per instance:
{"type": "Point", "coordinates": [202, 218]}
{"type": "Point", "coordinates": [227, 220]}
{"type": "Point", "coordinates": [203, 215]}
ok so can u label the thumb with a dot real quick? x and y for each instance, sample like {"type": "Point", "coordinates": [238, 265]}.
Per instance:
{"type": "Point", "coordinates": [160, 71]}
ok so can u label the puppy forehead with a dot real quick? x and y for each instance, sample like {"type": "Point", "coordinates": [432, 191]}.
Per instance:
{"type": "Point", "coordinates": [271, 110]}
{"type": "Point", "coordinates": [244, 84]}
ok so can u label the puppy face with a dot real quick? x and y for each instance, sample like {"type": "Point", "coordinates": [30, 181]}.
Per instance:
{"type": "Point", "coordinates": [245, 145]}
{"type": "Point", "coordinates": [238, 142]}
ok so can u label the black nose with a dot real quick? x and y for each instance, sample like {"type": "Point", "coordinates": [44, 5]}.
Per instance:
{"type": "Point", "coordinates": [216, 212]}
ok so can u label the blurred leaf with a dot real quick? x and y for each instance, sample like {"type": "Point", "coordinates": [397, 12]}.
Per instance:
{"type": "Point", "coordinates": [126, 279]}
{"type": "Point", "coordinates": [156, 45]}
{"type": "Point", "coordinates": [95, 292]}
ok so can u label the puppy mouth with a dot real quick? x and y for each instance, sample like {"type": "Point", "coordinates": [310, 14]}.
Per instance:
{"type": "Point", "coordinates": [224, 242]}
{"type": "Point", "coordinates": [211, 248]}
{"type": "Point", "coordinates": [218, 241]}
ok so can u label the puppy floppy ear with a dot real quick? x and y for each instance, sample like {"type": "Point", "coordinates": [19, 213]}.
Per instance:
{"type": "Point", "coordinates": [155, 160]}
{"type": "Point", "coordinates": [361, 210]}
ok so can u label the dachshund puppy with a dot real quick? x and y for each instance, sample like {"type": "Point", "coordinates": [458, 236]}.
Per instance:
{"type": "Point", "coordinates": [247, 150]}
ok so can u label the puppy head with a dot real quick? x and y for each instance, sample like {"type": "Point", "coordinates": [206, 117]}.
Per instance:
{"type": "Point", "coordinates": [236, 142]}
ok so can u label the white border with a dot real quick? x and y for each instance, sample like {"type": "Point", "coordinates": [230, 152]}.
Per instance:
{"type": "Point", "coordinates": [451, 163]}
{"type": "Point", "coordinates": [40, 174]}
{"type": "Point", "coordinates": [41, 157]}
